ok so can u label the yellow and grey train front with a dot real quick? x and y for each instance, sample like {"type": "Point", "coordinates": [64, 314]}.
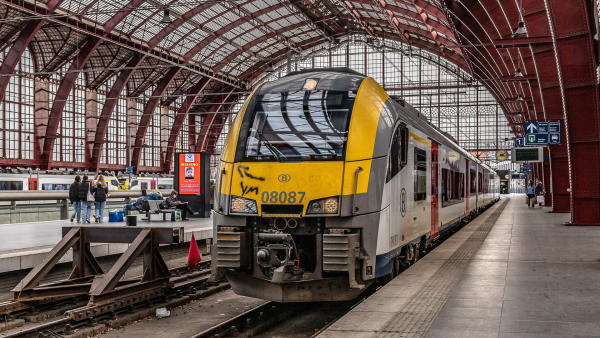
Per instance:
{"type": "Point", "coordinates": [300, 184]}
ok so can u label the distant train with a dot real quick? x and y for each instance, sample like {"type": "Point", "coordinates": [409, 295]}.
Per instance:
{"type": "Point", "coordinates": [62, 181]}
{"type": "Point", "coordinates": [326, 183]}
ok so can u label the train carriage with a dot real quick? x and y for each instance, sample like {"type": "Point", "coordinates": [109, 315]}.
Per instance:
{"type": "Point", "coordinates": [326, 183]}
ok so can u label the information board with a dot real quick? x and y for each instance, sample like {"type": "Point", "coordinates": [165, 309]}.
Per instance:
{"type": "Point", "coordinates": [542, 133]}
{"type": "Point", "coordinates": [527, 154]}
{"type": "Point", "coordinates": [190, 176]}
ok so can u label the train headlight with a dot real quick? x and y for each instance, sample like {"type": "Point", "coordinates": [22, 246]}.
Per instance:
{"type": "Point", "coordinates": [323, 206]}
{"type": "Point", "coordinates": [243, 205]}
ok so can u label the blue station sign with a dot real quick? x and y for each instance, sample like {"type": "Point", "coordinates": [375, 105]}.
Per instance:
{"type": "Point", "coordinates": [542, 133]}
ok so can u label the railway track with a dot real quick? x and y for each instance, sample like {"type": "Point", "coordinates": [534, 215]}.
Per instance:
{"type": "Point", "coordinates": [279, 319]}
{"type": "Point", "coordinates": [77, 314]}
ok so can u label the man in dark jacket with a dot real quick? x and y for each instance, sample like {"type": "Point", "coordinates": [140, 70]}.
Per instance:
{"type": "Point", "coordinates": [172, 202]}
{"type": "Point", "coordinates": [86, 206]}
{"type": "Point", "coordinates": [137, 205]}
{"type": "Point", "coordinates": [74, 197]}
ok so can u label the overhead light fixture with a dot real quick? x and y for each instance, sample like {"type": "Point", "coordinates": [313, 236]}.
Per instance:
{"type": "Point", "coordinates": [518, 73]}
{"type": "Point", "coordinates": [520, 98]}
{"type": "Point", "coordinates": [520, 30]}
{"type": "Point", "coordinates": [270, 68]}
{"type": "Point", "coordinates": [166, 18]}
{"type": "Point", "coordinates": [310, 84]}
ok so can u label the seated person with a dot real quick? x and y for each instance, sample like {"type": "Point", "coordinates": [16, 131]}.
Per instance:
{"type": "Point", "coordinates": [172, 202]}
{"type": "Point", "coordinates": [137, 205]}
{"type": "Point", "coordinates": [155, 196]}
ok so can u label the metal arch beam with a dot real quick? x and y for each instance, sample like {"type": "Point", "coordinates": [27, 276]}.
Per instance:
{"type": "Point", "coordinates": [196, 49]}
{"type": "Point", "coordinates": [575, 50]}
{"type": "Point", "coordinates": [64, 89]}
{"type": "Point", "coordinates": [149, 113]}
{"type": "Point", "coordinates": [179, 118]}
{"type": "Point", "coordinates": [117, 18]}
{"type": "Point", "coordinates": [111, 101]}
{"type": "Point", "coordinates": [414, 15]}
{"type": "Point", "coordinates": [18, 48]}
{"type": "Point", "coordinates": [175, 24]}
{"type": "Point", "coordinates": [247, 46]}
{"type": "Point", "coordinates": [211, 115]}
{"type": "Point", "coordinates": [67, 83]}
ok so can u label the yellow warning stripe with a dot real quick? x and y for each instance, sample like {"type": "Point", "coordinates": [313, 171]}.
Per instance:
{"type": "Point", "coordinates": [420, 139]}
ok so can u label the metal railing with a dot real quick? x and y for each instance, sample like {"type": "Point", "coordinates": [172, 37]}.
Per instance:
{"type": "Point", "coordinates": [61, 197]}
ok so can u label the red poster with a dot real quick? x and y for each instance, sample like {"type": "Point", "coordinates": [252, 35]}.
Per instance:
{"type": "Point", "coordinates": [189, 174]}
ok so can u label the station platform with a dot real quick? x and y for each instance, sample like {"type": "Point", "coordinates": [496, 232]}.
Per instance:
{"type": "Point", "coordinates": [24, 245]}
{"type": "Point", "coordinates": [512, 272]}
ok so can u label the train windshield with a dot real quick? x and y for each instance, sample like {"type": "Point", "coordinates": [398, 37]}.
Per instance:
{"type": "Point", "coordinates": [300, 126]}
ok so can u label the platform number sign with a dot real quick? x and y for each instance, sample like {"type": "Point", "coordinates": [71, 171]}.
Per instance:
{"type": "Point", "coordinates": [519, 141]}
{"type": "Point", "coordinates": [542, 133]}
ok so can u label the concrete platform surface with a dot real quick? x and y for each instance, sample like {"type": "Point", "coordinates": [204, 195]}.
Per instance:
{"type": "Point", "coordinates": [24, 245]}
{"type": "Point", "coordinates": [530, 276]}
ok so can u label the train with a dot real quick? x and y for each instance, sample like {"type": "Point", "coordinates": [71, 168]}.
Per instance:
{"type": "Point", "coordinates": [326, 184]}
{"type": "Point", "coordinates": [60, 180]}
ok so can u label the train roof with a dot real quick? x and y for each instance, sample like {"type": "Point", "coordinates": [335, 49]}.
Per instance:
{"type": "Point", "coordinates": [415, 119]}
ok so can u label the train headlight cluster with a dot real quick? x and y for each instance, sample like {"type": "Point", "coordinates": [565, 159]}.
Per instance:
{"type": "Point", "coordinates": [324, 206]}
{"type": "Point", "coordinates": [243, 205]}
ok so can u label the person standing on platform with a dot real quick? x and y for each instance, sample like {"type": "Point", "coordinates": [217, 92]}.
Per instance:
{"type": "Point", "coordinates": [530, 194]}
{"type": "Point", "coordinates": [539, 190]}
{"type": "Point", "coordinates": [86, 206]}
{"type": "Point", "coordinates": [74, 197]}
{"type": "Point", "coordinates": [100, 191]}
{"type": "Point", "coordinates": [137, 205]}
{"type": "Point", "coordinates": [172, 202]}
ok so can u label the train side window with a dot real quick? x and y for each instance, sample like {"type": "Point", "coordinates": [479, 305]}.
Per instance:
{"type": "Point", "coordinates": [398, 152]}
{"type": "Point", "coordinates": [420, 174]}
{"type": "Point", "coordinates": [472, 176]}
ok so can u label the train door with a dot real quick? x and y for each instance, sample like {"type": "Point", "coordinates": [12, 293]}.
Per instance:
{"type": "Point", "coordinates": [152, 184]}
{"type": "Point", "coordinates": [434, 190]}
{"type": "Point", "coordinates": [32, 184]}
{"type": "Point", "coordinates": [467, 180]}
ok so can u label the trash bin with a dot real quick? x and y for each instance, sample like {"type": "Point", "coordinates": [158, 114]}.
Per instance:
{"type": "Point", "coordinates": [131, 220]}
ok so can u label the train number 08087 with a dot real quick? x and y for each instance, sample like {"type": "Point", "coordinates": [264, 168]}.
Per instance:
{"type": "Point", "coordinates": [282, 197]}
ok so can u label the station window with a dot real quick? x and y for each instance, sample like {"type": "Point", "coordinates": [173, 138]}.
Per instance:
{"type": "Point", "coordinates": [420, 174]}
{"type": "Point", "coordinates": [398, 152]}
{"type": "Point", "coordinates": [16, 111]}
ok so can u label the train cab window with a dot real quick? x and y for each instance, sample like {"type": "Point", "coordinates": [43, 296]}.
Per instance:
{"type": "Point", "coordinates": [420, 174]}
{"type": "Point", "coordinates": [114, 182]}
{"type": "Point", "coordinates": [134, 183]}
{"type": "Point", "coordinates": [398, 152]}
{"type": "Point", "coordinates": [300, 126]}
{"type": "Point", "coordinates": [11, 185]}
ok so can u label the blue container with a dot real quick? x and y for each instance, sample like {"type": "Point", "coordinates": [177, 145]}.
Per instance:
{"type": "Point", "coordinates": [115, 216]}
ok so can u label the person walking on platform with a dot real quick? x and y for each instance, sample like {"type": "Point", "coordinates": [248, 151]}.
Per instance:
{"type": "Point", "coordinates": [172, 202]}
{"type": "Point", "coordinates": [100, 191]}
{"type": "Point", "coordinates": [86, 206]}
{"type": "Point", "coordinates": [530, 194]}
{"type": "Point", "coordinates": [539, 190]}
{"type": "Point", "coordinates": [137, 205]}
{"type": "Point", "coordinates": [74, 197]}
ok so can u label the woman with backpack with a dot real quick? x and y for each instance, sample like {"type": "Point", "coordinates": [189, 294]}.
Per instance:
{"type": "Point", "coordinates": [74, 197]}
{"type": "Point", "coordinates": [84, 188]}
{"type": "Point", "coordinates": [100, 191]}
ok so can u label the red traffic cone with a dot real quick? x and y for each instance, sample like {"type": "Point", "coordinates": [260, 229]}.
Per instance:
{"type": "Point", "coordinates": [194, 256]}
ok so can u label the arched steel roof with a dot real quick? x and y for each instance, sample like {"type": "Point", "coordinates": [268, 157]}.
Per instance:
{"type": "Point", "coordinates": [225, 45]}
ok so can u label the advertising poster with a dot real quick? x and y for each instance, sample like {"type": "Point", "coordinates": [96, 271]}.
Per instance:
{"type": "Point", "coordinates": [189, 174]}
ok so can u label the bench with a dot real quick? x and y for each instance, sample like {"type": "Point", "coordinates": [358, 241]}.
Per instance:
{"type": "Point", "coordinates": [153, 208]}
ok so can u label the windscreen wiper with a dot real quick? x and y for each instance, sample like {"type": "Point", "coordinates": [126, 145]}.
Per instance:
{"type": "Point", "coordinates": [266, 142]}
